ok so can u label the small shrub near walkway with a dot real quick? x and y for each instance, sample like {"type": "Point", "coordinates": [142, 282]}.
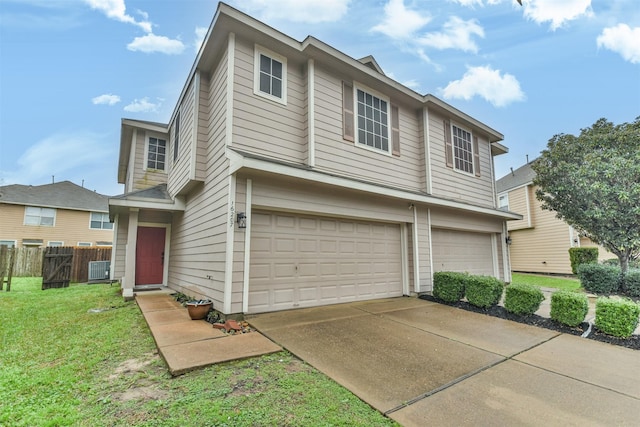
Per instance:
{"type": "Point", "coordinates": [617, 317]}
{"type": "Point", "coordinates": [599, 278]}
{"type": "Point", "coordinates": [522, 299]}
{"type": "Point", "coordinates": [483, 291]}
{"type": "Point", "coordinates": [449, 286]}
{"type": "Point", "coordinates": [569, 308]}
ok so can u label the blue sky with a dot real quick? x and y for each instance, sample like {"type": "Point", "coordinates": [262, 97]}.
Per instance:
{"type": "Point", "coordinates": [71, 69]}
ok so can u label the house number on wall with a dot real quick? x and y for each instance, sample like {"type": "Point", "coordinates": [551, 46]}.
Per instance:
{"type": "Point", "coordinates": [232, 212]}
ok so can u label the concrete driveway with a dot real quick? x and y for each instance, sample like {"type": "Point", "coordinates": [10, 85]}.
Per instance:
{"type": "Point", "coordinates": [421, 363]}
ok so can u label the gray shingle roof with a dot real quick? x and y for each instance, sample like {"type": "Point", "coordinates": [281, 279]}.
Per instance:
{"type": "Point", "coordinates": [158, 192]}
{"type": "Point", "coordinates": [523, 175]}
{"type": "Point", "coordinates": [64, 194]}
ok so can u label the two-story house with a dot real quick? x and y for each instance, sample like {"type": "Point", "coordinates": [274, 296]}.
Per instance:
{"type": "Point", "coordinates": [57, 214]}
{"type": "Point", "coordinates": [539, 242]}
{"type": "Point", "coordinates": [292, 175]}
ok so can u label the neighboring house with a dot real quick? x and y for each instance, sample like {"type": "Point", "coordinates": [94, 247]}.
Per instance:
{"type": "Point", "coordinates": [59, 214]}
{"type": "Point", "coordinates": [292, 175]}
{"type": "Point", "coordinates": [540, 242]}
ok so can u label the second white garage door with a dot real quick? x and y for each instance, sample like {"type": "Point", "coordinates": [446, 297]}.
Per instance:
{"type": "Point", "coordinates": [462, 251]}
{"type": "Point", "coordinates": [305, 261]}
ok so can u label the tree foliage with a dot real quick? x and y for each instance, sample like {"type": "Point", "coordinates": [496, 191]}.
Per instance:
{"type": "Point", "coordinates": [592, 181]}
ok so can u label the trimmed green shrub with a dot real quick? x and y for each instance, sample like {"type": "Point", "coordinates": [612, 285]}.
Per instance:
{"type": "Point", "coordinates": [483, 291]}
{"type": "Point", "coordinates": [448, 286]}
{"type": "Point", "coordinates": [632, 282]}
{"type": "Point", "coordinates": [569, 308]}
{"type": "Point", "coordinates": [617, 317]}
{"type": "Point", "coordinates": [599, 278]}
{"type": "Point", "coordinates": [522, 299]}
{"type": "Point", "coordinates": [579, 256]}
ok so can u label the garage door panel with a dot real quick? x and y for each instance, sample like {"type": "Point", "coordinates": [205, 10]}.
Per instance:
{"type": "Point", "coordinates": [462, 251]}
{"type": "Point", "coordinates": [303, 261]}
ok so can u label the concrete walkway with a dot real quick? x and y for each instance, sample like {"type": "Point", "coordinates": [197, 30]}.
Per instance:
{"type": "Point", "coordinates": [187, 344]}
{"type": "Point", "coordinates": [424, 363]}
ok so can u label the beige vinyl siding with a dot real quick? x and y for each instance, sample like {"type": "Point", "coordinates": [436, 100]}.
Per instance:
{"type": "Point", "coordinates": [265, 127]}
{"type": "Point", "coordinates": [198, 241]}
{"type": "Point", "coordinates": [146, 178]}
{"type": "Point", "coordinates": [274, 193]}
{"type": "Point", "coordinates": [603, 253]}
{"type": "Point", "coordinates": [424, 253]}
{"type": "Point", "coordinates": [335, 155]}
{"type": "Point", "coordinates": [543, 248]}
{"type": "Point", "coordinates": [518, 203]}
{"type": "Point", "coordinates": [71, 227]}
{"type": "Point", "coordinates": [454, 185]}
{"type": "Point", "coordinates": [120, 243]}
{"type": "Point", "coordinates": [187, 170]}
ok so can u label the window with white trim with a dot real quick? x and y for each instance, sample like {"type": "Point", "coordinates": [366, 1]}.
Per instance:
{"type": "Point", "coordinates": [9, 243]}
{"type": "Point", "coordinates": [84, 244]}
{"type": "Point", "coordinates": [39, 216]}
{"type": "Point", "coordinates": [270, 75]}
{"type": "Point", "coordinates": [100, 221]}
{"type": "Point", "coordinates": [372, 120]}
{"type": "Point", "coordinates": [503, 202]}
{"type": "Point", "coordinates": [462, 149]}
{"type": "Point", "coordinates": [55, 243]}
{"type": "Point", "coordinates": [156, 153]}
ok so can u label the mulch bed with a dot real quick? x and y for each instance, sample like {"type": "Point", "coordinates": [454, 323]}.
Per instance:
{"type": "Point", "coordinates": [632, 342]}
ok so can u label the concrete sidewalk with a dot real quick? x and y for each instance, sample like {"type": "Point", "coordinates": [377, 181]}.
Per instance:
{"type": "Point", "coordinates": [423, 363]}
{"type": "Point", "coordinates": [187, 344]}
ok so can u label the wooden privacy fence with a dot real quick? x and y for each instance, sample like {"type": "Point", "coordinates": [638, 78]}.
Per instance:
{"type": "Point", "coordinates": [28, 262]}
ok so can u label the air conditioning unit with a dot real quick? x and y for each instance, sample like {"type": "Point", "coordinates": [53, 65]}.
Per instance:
{"type": "Point", "coordinates": [99, 270]}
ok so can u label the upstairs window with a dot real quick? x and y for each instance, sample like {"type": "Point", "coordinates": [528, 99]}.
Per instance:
{"type": "Point", "coordinates": [372, 120]}
{"type": "Point", "coordinates": [462, 149]}
{"type": "Point", "coordinates": [270, 75]}
{"type": "Point", "coordinates": [156, 153]}
{"type": "Point", "coordinates": [39, 216]}
{"type": "Point", "coordinates": [100, 221]}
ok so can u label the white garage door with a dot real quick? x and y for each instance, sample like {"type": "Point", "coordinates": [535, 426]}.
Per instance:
{"type": "Point", "coordinates": [305, 261]}
{"type": "Point", "coordinates": [462, 251]}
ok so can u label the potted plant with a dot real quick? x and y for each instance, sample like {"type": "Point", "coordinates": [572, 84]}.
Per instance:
{"type": "Point", "coordinates": [198, 309]}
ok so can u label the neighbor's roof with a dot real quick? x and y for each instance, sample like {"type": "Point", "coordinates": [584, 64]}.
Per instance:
{"type": "Point", "coordinates": [64, 195]}
{"type": "Point", "coordinates": [519, 177]}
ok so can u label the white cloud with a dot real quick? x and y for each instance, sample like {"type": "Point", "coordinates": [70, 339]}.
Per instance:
{"type": "Point", "coordinates": [116, 9]}
{"type": "Point", "coordinates": [456, 34]}
{"type": "Point", "coordinates": [472, 3]}
{"type": "Point", "coordinates": [151, 43]}
{"type": "Point", "coordinates": [106, 99]}
{"type": "Point", "coordinates": [555, 11]}
{"type": "Point", "coordinates": [201, 33]}
{"type": "Point", "coordinates": [622, 39]}
{"type": "Point", "coordinates": [143, 106]}
{"type": "Point", "coordinates": [70, 156]}
{"type": "Point", "coordinates": [499, 90]}
{"type": "Point", "coordinates": [400, 22]}
{"type": "Point", "coordinates": [310, 11]}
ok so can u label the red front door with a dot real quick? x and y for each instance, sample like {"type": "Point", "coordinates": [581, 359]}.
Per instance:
{"type": "Point", "coordinates": [150, 255]}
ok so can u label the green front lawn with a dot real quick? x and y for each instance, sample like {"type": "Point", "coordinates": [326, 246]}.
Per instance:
{"type": "Point", "coordinates": [543, 281]}
{"type": "Point", "coordinates": [61, 364]}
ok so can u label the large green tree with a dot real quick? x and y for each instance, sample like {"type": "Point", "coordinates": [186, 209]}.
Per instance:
{"type": "Point", "coordinates": [592, 181]}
